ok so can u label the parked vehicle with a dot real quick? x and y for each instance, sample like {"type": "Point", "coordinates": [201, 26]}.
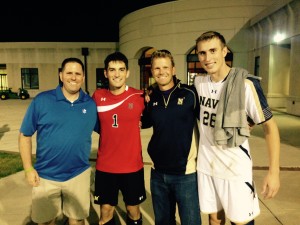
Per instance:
{"type": "Point", "coordinates": [9, 94]}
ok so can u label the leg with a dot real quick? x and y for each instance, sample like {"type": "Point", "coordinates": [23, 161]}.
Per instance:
{"type": "Point", "coordinates": [111, 222]}
{"type": "Point", "coordinates": [46, 202]}
{"type": "Point", "coordinates": [172, 209]}
{"type": "Point", "coordinates": [249, 223]}
{"type": "Point", "coordinates": [132, 186]}
{"type": "Point", "coordinates": [52, 222]}
{"type": "Point", "coordinates": [106, 195]}
{"type": "Point", "coordinates": [76, 222]}
{"type": "Point", "coordinates": [217, 218]}
{"type": "Point", "coordinates": [133, 212]}
{"type": "Point", "coordinates": [76, 198]}
{"type": "Point", "coordinates": [185, 188]}
{"type": "Point", "coordinates": [209, 199]}
{"type": "Point", "coordinates": [134, 216]}
{"type": "Point", "coordinates": [162, 205]}
{"type": "Point", "coordinates": [106, 213]}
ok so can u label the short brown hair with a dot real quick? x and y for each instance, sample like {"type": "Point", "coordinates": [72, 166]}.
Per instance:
{"type": "Point", "coordinates": [210, 35]}
{"type": "Point", "coordinates": [163, 53]}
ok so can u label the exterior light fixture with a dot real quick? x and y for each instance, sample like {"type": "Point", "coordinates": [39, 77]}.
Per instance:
{"type": "Point", "coordinates": [278, 37]}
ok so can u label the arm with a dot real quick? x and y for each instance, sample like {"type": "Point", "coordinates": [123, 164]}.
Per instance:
{"type": "Point", "coordinates": [25, 148]}
{"type": "Point", "coordinates": [271, 182]}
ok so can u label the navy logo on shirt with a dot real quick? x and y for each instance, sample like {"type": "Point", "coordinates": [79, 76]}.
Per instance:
{"type": "Point", "coordinates": [180, 101]}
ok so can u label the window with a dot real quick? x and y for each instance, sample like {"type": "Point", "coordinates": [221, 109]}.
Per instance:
{"type": "Point", "coordinates": [101, 80]}
{"type": "Point", "coordinates": [3, 77]}
{"type": "Point", "coordinates": [146, 79]}
{"type": "Point", "coordinates": [30, 78]}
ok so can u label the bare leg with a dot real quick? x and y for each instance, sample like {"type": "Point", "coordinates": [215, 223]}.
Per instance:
{"type": "Point", "coordinates": [107, 213]}
{"type": "Point", "coordinates": [76, 222]}
{"type": "Point", "coordinates": [217, 218]}
{"type": "Point", "coordinates": [52, 222]}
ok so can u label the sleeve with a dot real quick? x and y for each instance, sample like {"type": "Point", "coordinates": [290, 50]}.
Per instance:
{"type": "Point", "coordinates": [257, 107]}
{"type": "Point", "coordinates": [197, 104]}
{"type": "Point", "coordinates": [29, 123]}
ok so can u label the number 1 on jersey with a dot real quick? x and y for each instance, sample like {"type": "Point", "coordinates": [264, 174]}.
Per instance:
{"type": "Point", "coordinates": [115, 121]}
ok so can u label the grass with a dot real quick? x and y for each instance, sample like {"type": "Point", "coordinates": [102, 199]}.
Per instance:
{"type": "Point", "coordinates": [10, 163]}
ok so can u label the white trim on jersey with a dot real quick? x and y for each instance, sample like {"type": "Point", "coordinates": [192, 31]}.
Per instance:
{"type": "Point", "coordinates": [110, 107]}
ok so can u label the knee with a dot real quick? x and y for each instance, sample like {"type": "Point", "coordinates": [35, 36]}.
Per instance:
{"type": "Point", "coordinates": [107, 209]}
{"type": "Point", "coordinates": [107, 213]}
{"type": "Point", "coordinates": [133, 212]}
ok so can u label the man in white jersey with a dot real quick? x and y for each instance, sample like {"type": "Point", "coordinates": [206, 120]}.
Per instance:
{"type": "Point", "coordinates": [228, 96]}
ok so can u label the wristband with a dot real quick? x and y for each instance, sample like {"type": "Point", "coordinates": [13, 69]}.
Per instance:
{"type": "Point", "coordinates": [29, 169]}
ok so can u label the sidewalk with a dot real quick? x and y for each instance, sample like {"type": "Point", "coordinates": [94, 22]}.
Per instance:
{"type": "Point", "coordinates": [15, 194]}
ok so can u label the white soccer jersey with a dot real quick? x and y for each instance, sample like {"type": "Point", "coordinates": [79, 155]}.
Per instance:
{"type": "Point", "coordinates": [221, 161]}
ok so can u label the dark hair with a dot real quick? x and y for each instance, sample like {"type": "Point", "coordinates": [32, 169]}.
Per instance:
{"type": "Point", "coordinates": [210, 35]}
{"type": "Point", "coordinates": [116, 56]}
{"type": "Point", "coordinates": [68, 60]}
{"type": "Point", "coordinates": [163, 53]}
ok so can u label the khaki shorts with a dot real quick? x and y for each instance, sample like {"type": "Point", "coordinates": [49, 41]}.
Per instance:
{"type": "Point", "coordinates": [238, 198]}
{"type": "Point", "coordinates": [72, 198]}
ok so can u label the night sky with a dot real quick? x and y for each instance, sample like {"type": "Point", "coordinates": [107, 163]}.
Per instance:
{"type": "Point", "coordinates": [66, 21]}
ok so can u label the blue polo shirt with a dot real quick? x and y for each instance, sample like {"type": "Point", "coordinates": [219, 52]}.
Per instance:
{"type": "Point", "coordinates": [64, 132]}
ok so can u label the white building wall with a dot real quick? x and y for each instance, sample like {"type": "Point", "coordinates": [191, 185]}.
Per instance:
{"type": "Point", "coordinates": [47, 57]}
{"type": "Point", "coordinates": [176, 25]}
{"type": "Point", "coordinates": [280, 60]}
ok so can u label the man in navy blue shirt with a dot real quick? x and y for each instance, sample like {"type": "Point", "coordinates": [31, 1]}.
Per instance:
{"type": "Point", "coordinates": [64, 119]}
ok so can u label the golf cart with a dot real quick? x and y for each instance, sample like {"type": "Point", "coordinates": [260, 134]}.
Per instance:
{"type": "Point", "coordinates": [9, 94]}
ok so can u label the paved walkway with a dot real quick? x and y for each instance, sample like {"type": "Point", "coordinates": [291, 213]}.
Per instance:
{"type": "Point", "coordinates": [15, 194]}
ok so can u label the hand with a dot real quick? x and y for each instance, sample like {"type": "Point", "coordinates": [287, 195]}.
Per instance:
{"type": "Point", "coordinates": [270, 186]}
{"type": "Point", "coordinates": [147, 95]}
{"type": "Point", "coordinates": [32, 178]}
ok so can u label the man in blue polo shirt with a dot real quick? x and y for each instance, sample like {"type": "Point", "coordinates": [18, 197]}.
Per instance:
{"type": "Point", "coordinates": [64, 119]}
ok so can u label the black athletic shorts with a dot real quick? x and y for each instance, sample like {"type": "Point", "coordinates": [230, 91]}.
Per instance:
{"type": "Point", "coordinates": [108, 185]}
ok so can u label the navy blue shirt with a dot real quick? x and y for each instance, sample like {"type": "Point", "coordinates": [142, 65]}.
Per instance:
{"type": "Point", "coordinates": [173, 115]}
{"type": "Point", "coordinates": [64, 132]}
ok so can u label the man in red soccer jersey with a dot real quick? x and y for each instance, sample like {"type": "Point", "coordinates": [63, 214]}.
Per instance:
{"type": "Point", "coordinates": [119, 165]}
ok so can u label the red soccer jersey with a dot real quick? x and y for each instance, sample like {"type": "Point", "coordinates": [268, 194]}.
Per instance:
{"type": "Point", "coordinates": [120, 148]}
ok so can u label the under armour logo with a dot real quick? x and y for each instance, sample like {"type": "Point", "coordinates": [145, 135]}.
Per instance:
{"type": "Point", "coordinates": [141, 197]}
{"type": "Point", "coordinates": [103, 99]}
{"type": "Point", "coordinates": [155, 103]}
{"type": "Point", "coordinates": [130, 105]}
{"type": "Point", "coordinates": [84, 111]}
{"type": "Point", "coordinates": [96, 198]}
{"type": "Point", "coordinates": [214, 91]}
